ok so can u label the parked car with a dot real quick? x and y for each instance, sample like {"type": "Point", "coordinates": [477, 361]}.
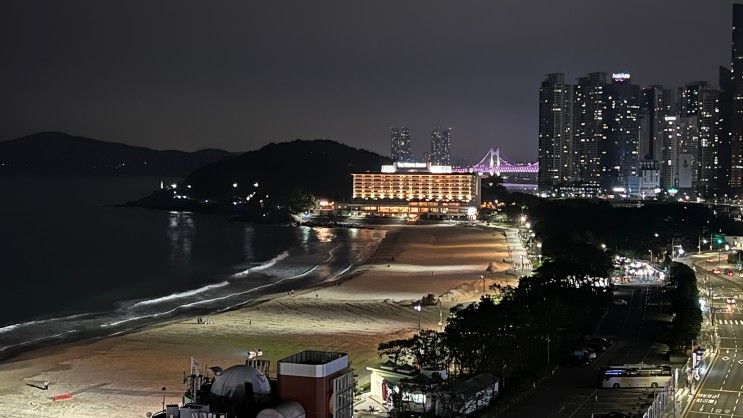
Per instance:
{"type": "Point", "coordinates": [730, 300]}
{"type": "Point", "coordinates": [582, 355]}
{"type": "Point", "coordinates": [605, 342]}
{"type": "Point", "coordinates": [729, 272]}
{"type": "Point", "coordinates": [596, 347]}
{"type": "Point", "coordinates": [716, 270]}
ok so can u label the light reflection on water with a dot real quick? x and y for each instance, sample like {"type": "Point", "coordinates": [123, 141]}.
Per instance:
{"type": "Point", "coordinates": [324, 234]}
{"type": "Point", "coordinates": [180, 234]}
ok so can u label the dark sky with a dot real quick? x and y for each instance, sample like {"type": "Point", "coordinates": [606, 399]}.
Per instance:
{"type": "Point", "coordinates": [236, 75]}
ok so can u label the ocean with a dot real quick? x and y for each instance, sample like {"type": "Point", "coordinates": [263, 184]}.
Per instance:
{"type": "Point", "coordinates": [73, 266]}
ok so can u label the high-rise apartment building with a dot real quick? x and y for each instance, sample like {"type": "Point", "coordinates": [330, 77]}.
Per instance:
{"type": "Point", "coordinates": [679, 167]}
{"type": "Point", "coordinates": [656, 103]}
{"type": "Point", "coordinates": [724, 133]}
{"type": "Point", "coordinates": [589, 126]}
{"type": "Point", "coordinates": [736, 101]}
{"type": "Point", "coordinates": [401, 145]}
{"type": "Point", "coordinates": [701, 102]}
{"type": "Point", "coordinates": [601, 131]}
{"type": "Point", "coordinates": [555, 132]}
{"type": "Point", "coordinates": [440, 147]}
{"type": "Point", "coordinates": [620, 153]}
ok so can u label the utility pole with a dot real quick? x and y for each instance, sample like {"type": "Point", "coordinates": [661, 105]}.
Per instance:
{"type": "Point", "coordinates": [418, 308]}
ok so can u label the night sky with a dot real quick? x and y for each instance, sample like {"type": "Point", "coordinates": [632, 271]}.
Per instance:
{"type": "Point", "coordinates": [237, 75]}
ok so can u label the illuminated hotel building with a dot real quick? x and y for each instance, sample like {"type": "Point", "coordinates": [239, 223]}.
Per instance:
{"type": "Point", "coordinates": [417, 190]}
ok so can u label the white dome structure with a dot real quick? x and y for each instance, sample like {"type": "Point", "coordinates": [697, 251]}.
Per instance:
{"type": "Point", "coordinates": [231, 382]}
{"type": "Point", "coordinates": [286, 409]}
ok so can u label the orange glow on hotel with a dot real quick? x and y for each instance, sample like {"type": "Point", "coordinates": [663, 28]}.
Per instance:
{"type": "Point", "coordinates": [416, 190]}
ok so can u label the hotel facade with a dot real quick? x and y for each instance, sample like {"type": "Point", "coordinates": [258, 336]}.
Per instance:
{"type": "Point", "coordinates": [416, 190]}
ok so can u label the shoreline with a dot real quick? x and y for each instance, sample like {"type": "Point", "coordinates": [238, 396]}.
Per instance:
{"type": "Point", "coordinates": [353, 315]}
{"type": "Point", "coordinates": [89, 334]}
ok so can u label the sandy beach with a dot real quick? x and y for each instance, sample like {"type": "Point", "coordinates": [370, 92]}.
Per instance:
{"type": "Point", "coordinates": [122, 376]}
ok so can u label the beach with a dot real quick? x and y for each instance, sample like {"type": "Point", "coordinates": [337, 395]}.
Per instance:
{"type": "Point", "coordinates": [122, 376]}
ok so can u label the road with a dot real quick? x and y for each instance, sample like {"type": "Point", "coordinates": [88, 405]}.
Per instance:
{"type": "Point", "coordinates": [573, 391]}
{"type": "Point", "coordinates": [722, 386]}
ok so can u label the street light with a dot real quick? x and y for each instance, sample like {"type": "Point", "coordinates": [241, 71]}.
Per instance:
{"type": "Point", "coordinates": [418, 308]}
{"type": "Point", "coordinates": [523, 218]}
{"type": "Point", "coordinates": [163, 389]}
{"type": "Point", "coordinates": [699, 246]}
{"type": "Point", "coordinates": [483, 283]}
{"type": "Point", "coordinates": [539, 256]}
{"type": "Point", "coordinates": [603, 246]}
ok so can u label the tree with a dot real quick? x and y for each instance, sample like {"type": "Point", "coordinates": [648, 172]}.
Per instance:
{"type": "Point", "coordinates": [300, 200]}
{"type": "Point", "coordinates": [396, 349]}
{"type": "Point", "coordinates": [687, 322]}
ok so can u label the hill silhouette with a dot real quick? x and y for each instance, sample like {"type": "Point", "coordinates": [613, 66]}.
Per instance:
{"type": "Point", "coordinates": [320, 167]}
{"type": "Point", "coordinates": [57, 153]}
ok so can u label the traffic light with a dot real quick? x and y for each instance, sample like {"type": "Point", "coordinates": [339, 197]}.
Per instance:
{"type": "Point", "coordinates": [718, 240]}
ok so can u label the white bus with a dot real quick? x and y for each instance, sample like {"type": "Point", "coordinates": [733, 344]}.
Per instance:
{"type": "Point", "coordinates": [634, 376]}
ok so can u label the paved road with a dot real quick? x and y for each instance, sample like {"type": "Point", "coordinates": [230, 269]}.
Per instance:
{"type": "Point", "coordinates": [573, 391]}
{"type": "Point", "coordinates": [722, 386]}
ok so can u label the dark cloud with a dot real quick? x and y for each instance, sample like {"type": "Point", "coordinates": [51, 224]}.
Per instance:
{"type": "Point", "coordinates": [236, 75]}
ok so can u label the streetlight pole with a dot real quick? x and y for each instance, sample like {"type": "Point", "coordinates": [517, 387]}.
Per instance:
{"type": "Point", "coordinates": [483, 283]}
{"type": "Point", "coordinates": [548, 350]}
{"type": "Point", "coordinates": [418, 308]}
{"type": "Point", "coordinates": [699, 245]}
{"type": "Point", "coordinates": [163, 389]}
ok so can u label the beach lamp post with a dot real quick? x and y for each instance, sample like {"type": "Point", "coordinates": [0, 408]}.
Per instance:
{"type": "Point", "coordinates": [418, 308]}
{"type": "Point", "coordinates": [441, 317]}
{"type": "Point", "coordinates": [539, 256]}
{"type": "Point", "coordinates": [483, 283]}
{"type": "Point", "coordinates": [163, 389]}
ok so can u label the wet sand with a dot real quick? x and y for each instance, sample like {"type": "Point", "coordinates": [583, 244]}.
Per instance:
{"type": "Point", "coordinates": [123, 376]}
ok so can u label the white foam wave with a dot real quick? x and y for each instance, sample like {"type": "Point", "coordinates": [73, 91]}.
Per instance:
{"type": "Point", "coordinates": [330, 254]}
{"type": "Point", "coordinates": [231, 295]}
{"type": "Point", "coordinates": [180, 295]}
{"type": "Point", "coordinates": [11, 327]}
{"type": "Point", "coordinates": [43, 338]}
{"type": "Point", "coordinates": [339, 274]}
{"type": "Point", "coordinates": [263, 266]}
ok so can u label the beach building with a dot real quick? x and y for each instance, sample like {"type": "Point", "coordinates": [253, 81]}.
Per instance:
{"type": "Point", "coordinates": [319, 380]}
{"type": "Point", "coordinates": [424, 391]}
{"type": "Point", "coordinates": [309, 384]}
{"type": "Point", "coordinates": [416, 190]}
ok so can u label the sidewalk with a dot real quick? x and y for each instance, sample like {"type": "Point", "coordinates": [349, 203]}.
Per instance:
{"type": "Point", "coordinates": [517, 253]}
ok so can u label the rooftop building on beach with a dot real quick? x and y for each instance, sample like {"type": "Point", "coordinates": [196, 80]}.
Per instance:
{"type": "Point", "coordinates": [311, 384]}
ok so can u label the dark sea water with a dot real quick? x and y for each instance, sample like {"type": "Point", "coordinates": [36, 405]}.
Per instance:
{"type": "Point", "coordinates": [73, 267]}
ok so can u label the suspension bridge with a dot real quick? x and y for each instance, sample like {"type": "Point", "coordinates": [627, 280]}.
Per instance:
{"type": "Point", "coordinates": [494, 164]}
